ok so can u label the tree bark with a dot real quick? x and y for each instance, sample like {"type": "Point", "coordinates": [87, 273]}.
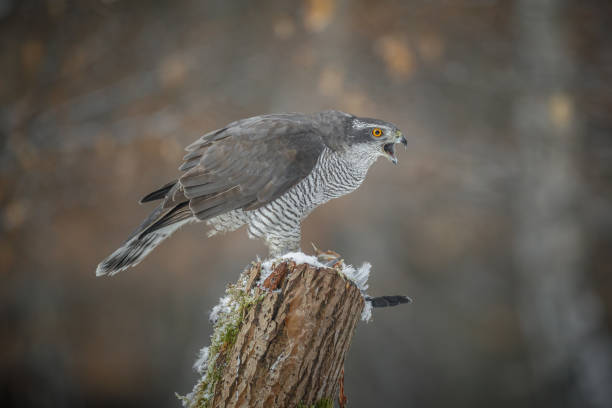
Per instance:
{"type": "Point", "coordinates": [291, 345]}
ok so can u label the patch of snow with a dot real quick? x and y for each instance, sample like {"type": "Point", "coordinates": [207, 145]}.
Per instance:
{"type": "Point", "coordinates": [268, 265]}
{"type": "Point", "coordinates": [366, 313]}
{"type": "Point", "coordinates": [222, 307]}
{"type": "Point", "coordinates": [201, 363]}
{"type": "Point", "coordinates": [300, 258]}
{"type": "Point", "coordinates": [359, 276]}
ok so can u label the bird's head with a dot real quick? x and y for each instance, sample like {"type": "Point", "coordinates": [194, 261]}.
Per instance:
{"type": "Point", "coordinates": [377, 134]}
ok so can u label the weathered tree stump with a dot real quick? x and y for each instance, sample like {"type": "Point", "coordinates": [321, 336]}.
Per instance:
{"type": "Point", "coordinates": [287, 344]}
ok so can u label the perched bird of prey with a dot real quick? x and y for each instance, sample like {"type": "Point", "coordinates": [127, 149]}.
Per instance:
{"type": "Point", "coordinates": [268, 172]}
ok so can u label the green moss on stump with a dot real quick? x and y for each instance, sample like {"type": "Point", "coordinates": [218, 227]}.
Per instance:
{"type": "Point", "coordinates": [223, 339]}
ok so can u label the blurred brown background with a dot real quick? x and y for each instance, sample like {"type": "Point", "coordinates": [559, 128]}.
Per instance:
{"type": "Point", "coordinates": [497, 221]}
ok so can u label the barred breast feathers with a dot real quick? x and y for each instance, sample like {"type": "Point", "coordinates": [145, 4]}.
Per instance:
{"type": "Point", "coordinates": [334, 175]}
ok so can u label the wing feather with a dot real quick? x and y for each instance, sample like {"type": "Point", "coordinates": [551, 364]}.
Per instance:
{"type": "Point", "coordinates": [244, 165]}
{"type": "Point", "coordinates": [248, 163]}
{"type": "Point", "coordinates": [159, 193]}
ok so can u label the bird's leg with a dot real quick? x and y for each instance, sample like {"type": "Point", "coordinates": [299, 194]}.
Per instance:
{"type": "Point", "coordinates": [280, 244]}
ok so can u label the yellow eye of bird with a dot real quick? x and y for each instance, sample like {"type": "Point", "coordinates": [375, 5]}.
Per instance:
{"type": "Point", "coordinates": [377, 132]}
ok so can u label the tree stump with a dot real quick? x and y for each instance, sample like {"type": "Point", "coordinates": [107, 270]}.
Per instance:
{"type": "Point", "coordinates": [286, 339]}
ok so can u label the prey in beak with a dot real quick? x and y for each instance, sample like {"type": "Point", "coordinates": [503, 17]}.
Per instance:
{"type": "Point", "coordinates": [389, 148]}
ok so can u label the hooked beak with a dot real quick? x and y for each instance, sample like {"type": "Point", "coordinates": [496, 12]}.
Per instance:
{"type": "Point", "coordinates": [389, 148]}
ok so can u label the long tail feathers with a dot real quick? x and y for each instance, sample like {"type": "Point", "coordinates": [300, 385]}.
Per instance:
{"type": "Point", "coordinates": [136, 248]}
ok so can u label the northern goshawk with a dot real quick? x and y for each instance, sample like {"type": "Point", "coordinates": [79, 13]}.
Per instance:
{"type": "Point", "coordinates": [268, 172]}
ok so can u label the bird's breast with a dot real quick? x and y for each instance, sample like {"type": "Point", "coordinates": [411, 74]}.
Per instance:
{"type": "Point", "coordinates": [334, 175]}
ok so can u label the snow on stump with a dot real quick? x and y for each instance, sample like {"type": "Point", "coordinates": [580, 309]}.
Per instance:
{"type": "Point", "coordinates": [281, 336]}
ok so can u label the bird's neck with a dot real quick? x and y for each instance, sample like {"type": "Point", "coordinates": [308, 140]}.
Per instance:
{"type": "Point", "coordinates": [351, 164]}
{"type": "Point", "coordinates": [359, 158]}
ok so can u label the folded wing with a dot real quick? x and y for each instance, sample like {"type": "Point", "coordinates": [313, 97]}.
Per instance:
{"type": "Point", "coordinates": [245, 165]}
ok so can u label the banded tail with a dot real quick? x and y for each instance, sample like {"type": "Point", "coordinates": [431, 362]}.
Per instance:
{"type": "Point", "coordinates": [158, 226]}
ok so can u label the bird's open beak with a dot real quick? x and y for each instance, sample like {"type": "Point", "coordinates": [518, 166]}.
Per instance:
{"type": "Point", "coordinates": [389, 148]}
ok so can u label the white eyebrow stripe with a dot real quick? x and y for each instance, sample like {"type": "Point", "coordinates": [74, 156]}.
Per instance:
{"type": "Point", "coordinates": [357, 124]}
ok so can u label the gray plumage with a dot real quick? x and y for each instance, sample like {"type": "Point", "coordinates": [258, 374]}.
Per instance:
{"type": "Point", "coordinates": [268, 172]}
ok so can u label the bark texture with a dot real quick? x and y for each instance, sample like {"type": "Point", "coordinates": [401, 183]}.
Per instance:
{"type": "Point", "coordinates": [291, 346]}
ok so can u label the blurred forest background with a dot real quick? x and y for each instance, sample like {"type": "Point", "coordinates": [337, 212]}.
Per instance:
{"type": "Point", "coordinates": [497, 221]}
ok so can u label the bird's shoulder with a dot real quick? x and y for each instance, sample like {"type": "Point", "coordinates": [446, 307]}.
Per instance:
{"type": "Point", "coordinates": [262, 127]}
{"type": "Point", "coordinates": [283, 128]}
{"type": "Point", "coordinates": [285, 136]}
